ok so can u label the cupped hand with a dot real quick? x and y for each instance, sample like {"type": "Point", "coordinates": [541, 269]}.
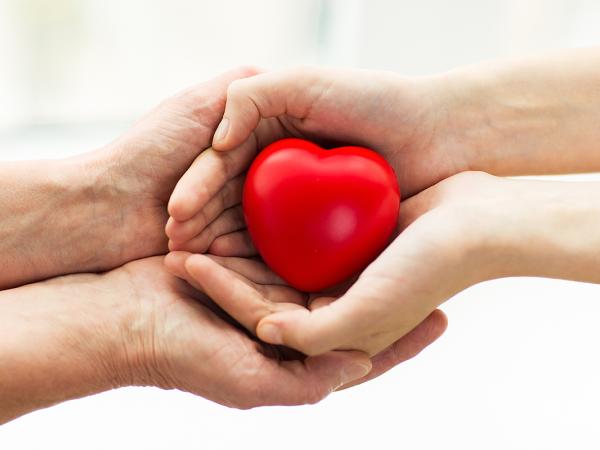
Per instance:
{"type": "Point", "coordinates": [401, 118]}
{"type": "Point", "coordinates": [178, 338]}
{"type": "Point", "coordinates": [251, 291]}
{"type": "Point", "coordinates": [440, 251]}
{"type": "Point", "coordinates": [140, 169]}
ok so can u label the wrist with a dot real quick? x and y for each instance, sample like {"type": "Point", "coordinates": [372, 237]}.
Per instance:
{"type": "Point", "coordinates": [122, 224]}
{"type": "Point", "coordinates": [547, 229]}
{"type": "Point", "coordinates": [60, 339]}
{"type": "Point", "coordinates": [54, 222]}
{"type": "Point", "coordinates": [94, 225]}
{"type": "Point", "coordinates": [467, 121]}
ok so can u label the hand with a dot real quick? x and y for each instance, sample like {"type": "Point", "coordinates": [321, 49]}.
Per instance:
{"type": "Point", "coordinates": [250, 290]}
{"type": "Point", "coordinates": [464, 230]}
{"type": "Point", "coordinates": [140, 169]}
{"type": "Point", "coordinates": [440, 251]}
{"type": "Point", "coordinates": [138, 325]}
{"type": "Point", "coordinates": [400, 118]}
{"type": "Point", "coordinates": [97, 211]}
{"type": "Point", "coordinates": [188, 344]}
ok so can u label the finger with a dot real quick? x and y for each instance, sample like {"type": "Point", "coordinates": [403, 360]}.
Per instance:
{"type": "Point", "coordinates": [207, 175]}
{"type": "Point", "coordinates": [229, 195]}
{"type": "Point", "coordinates": [271, 94]}
{"type": "Point", "coordinates": [406, 347]}
{"type": "Point", "coordinates": [175, 263]}
{"type": "Point", "coordinates": [180, 208]}
{"type": "Point", "coordinates": [311, 332]}
{"type": "Point", "coordinates": [305, 382]}
{"type": "Point", "coordinates": [237, 243]}
{"type": "Point", "coordinates": [230, 220]}
{"type": "Point", "coordinates": [256, 271]}
{"type": "Point", "coordinates": [244, 301]}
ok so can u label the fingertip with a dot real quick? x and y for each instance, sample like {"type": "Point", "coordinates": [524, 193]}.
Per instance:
{"type": "Point", "coordinates": [170, 226]}
{"type": "Point", "coordinates": [344, 367]}
{"type": "Point", "coordinates": [269, 332]}
{"type": "Point", "coordinates": [219, 141]}
{"type": "Point", "coordinates": [175, 246]}
{"type": "Point", "coordinates": [188, 198]}
{"type": "Point", "coordinates": [174, 262]}
{"type": "Point", "coordinates": [179, 209]}
{"type": "Point", "coordinates": [196, 264]}
{"type": "Point", "coordinates": [246, 71]}
{"type": "Point", "coordinates": [281, 328]}
{"type": "Point", "coordinates": [178, 232]}
{"type": "Point", "coordinates": [439, 321]}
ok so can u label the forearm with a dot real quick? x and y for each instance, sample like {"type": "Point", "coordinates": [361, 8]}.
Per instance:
{"type": "Point", "coordinates": [58, 217]}
{"type": "Point", "coordinates": [546, 229]}
{"type": "Point", "coordinates": [59, 340]}
{"type": "Point", "coordinates": [532, 116]}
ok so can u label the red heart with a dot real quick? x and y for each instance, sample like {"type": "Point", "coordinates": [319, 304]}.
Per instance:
{"type": "Point", "coordinates": [319, 216]}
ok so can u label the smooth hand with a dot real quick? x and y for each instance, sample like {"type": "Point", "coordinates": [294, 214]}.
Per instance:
{"type": "Point", "coordinates": [466, 229]}
{"type": "Point", "coordinates": [398, 117]}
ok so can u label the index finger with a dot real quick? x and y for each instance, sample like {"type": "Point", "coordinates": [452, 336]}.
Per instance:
{"type": "Point", "coordinates": [209, 172]}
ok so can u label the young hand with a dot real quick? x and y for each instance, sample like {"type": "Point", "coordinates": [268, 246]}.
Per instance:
{"type": "Point", "coordinates": [249, 289]}
{"type": "Point", "coordinates": [466, 229]}
{"type": "Point", "coordinates": [398, 117]}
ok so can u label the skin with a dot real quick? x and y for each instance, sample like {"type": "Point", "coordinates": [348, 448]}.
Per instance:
{"type": "Point", "coordinates": [78, 335]}
{"type": "Point", "coordinates": [251, 290]}
{"type": "Point", "coordinates": [535, 116]}
{"type": "Point", "coordinates": [124, 187]}
{"type": "Point", "coordinates": [493, 227]}
{"type": "Point", "coordinates": [134, 323]}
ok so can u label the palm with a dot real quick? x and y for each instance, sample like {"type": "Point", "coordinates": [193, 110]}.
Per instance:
{"type": "Point", "coordinates": [192, 345]}
{"type": "Point", "coordinates": [250, 291]}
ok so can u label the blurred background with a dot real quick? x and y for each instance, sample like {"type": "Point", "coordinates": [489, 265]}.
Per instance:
{"type": "Point", "coordinates": [519, 365]}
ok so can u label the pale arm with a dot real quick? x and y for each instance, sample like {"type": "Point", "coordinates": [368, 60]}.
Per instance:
{"type": "Point", "coordinates": [537, 115]}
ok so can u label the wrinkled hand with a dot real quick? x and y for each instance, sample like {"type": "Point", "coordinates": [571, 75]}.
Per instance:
{"type": "Point", "coordinates": [179, 339]}
{"type": "Point", "coordinates": [141, 168]}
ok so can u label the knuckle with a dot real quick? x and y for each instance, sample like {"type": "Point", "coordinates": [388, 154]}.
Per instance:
{"type": "Point", "coordinates": [315, 394]}
{"type": "Point", "coordinates": [248, 70]}
{"type": "Point", "coordinates": [243, 405]}
{"type": "Point", "coordinates": [236, 88]}
{"type": "Point", "coordinates": [307, 344]}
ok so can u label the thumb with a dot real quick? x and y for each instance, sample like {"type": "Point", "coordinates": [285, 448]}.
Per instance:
{"type": "Point", "coordinates": [270, 94]}
{"type": "Point", "coordinates": [333, 326]}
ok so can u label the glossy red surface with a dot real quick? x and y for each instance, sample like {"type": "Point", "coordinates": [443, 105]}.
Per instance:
{"type": "Point", "coordinates": [319, 216]}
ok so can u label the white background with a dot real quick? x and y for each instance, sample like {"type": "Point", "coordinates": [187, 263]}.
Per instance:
{"type": "Point", "coordinates": [519, 365]}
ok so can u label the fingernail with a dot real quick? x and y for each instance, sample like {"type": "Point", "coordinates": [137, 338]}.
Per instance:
{"type": "Point", "coordinates": [270, 333]}
{"type": "Point", "coordinates": [353, 373]}
{"type": "Point", "coordinates": [221, 131]}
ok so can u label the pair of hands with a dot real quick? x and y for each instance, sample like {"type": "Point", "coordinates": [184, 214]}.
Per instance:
{"type": "Point", "coordinates": [402, 119]}
{"type": "Point", "coordinates": [456, 227]}
{"type": "Point", "coordinates": [140, 324]}
{"type": "Point", "coordinates": [185, 341]}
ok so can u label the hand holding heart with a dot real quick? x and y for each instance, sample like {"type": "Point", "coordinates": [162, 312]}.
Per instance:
{"type": "Point", "coordinates": [423, 267]}
{"type": "Point", "coordinates": [352, 106]}
{"type": "Point", "coordinates": [453, 234]}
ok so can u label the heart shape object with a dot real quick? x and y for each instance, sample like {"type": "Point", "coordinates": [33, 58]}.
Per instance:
{"type": "Point", "coordinates": [319, 216]}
